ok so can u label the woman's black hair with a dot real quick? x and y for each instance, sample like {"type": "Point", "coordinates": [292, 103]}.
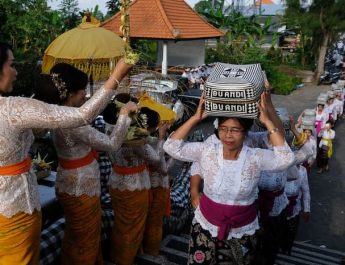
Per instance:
{"type": "Point", "coordinates": [74, 79]}
{"type": "Point", "coordinates": [46, 90]}
{"type": "Point", "coordinates": [152, 117]}
{"type": "Point", "coordinates": [245, 123]}
{"type": "Point", "coordinates": [110, 113]}
{"type": "Point", "coordinates": [4, 48]}
{"type": "Point", "coordinates": [125, 98]}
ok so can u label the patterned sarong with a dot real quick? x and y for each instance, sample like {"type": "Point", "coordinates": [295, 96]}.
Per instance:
{"type": "Point", "coordinates": [130, 210]}
{"type": "Point", "coordinates": [154, 222]}
{"type": "Point", "coordinates": [20, 239]}
{"type": "Point", "coordinates": [82, 240]}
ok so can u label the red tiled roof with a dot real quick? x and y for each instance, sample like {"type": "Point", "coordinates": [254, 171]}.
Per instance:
{"type": "Point", "coordinates": [265, 2]}
{"type": "Point", "coordinates": [164, 19]}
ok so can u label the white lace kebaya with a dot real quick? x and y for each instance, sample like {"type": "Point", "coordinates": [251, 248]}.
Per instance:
{"type": "Point", "coordinates": [76, 143]}
{"type": "Point", "coordinates": [18, 117]}
{"type": "Point", "coordinates": [159, 175]}
{"type": "Point", "coordinates": [274, 181]}
{"type": "Point", "coordinates": [128, 156]}
{"type": "Point", "coordinates": [299, 187]}
{"type": "Point", "coordinates": [230, 182]}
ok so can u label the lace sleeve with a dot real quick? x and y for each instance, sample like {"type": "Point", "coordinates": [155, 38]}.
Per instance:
{"type": "Point", "coordinates": [101, 141]}
{"type": "Point", "coordinates": [188, 152]}
{"type": "Point", "coordinates": [305, 189]}
{"type": "Point", "coordinates": [26, 113]}
{"type": "Point", "coordinates": [151, 155]}
{"type": "Point", "coordinates": [279, 159]}
{"type": "Point", "coordinates": [303, 153]}
{"type": "Point", "coordinates": [161, 165]}
{"type": "Point", "coordinates": [195, 169]}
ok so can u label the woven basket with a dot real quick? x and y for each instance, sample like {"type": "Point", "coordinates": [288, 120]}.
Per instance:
{"type": "Point", "coordinates": [234, 90]}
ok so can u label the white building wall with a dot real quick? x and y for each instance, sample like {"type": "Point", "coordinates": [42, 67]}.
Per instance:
{"type": "Point", "coordinates": [183, 53]}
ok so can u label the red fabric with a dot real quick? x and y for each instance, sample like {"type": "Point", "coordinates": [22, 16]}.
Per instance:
{"type": "Point", "coordinates": [16, 169]}
{"type": "Point", "coordinates": [129, 170]}
{"type": "Point", "coordinates": [77, 163]}
{"type": "Point", "coordinates": [266, 201]}
{"type": "Point", "coordinates": [226, 216]}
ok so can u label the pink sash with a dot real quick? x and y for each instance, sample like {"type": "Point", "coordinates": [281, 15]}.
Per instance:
{"type": "Point", "coordinates": [226, 216]}
{"type": "Point", "coordinates": [318, 126]}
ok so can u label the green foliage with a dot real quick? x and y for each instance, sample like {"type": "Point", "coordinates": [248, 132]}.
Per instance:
{"type": "Point", "coordinates": [113, 7]}
{"type": "Point", "coordinates": [282, 83]}
{"type": "Point", "coordinates": [69, 13]}
{"type": "Point", "coordinates": [318, 25]}
{"type": "Point", "coordinates": [147, 50]}
{"type": "Point", "coordinates": [29, 26]}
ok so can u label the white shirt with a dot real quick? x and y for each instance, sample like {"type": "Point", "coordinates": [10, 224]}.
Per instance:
{"type": "Point", "coordinates": [299, 187]}
{"type": "Point", "coordinates": [231, 182]}
{"type": "Point", "coordinates": [326, 134]}
{"type": "Point", "coordinates": [323, 116]}
{"type": "Point", "coordinates": [159, 175]}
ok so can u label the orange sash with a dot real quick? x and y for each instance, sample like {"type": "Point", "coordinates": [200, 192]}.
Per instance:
{"type": "Point", "coordinates": [16, 169]}
{"type": "Point", "coordinates": [77, 163]}
{"type": "Point", "coordinates": [129, 170]}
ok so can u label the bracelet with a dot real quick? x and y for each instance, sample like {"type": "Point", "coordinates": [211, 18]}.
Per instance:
{"type": "Point", "coordinates": [273, 131]}
{"type": "Point", "coordinates": [114, 79]}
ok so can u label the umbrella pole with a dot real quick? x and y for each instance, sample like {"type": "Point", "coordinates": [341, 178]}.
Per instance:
{"type": "Point", "coordinates": [91, 84]}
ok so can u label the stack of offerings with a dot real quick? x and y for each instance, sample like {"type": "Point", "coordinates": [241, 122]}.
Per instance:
{"type": "Point", "coordinates": [331, 94]}
{"type": "Point", "coordinates": [234, 90]}
{"type": "Point", "coordinates": [322, 99]}
{"type": "Point", "coordinates": [337, 88]}
{"type": "Point", "coordinates": [308, 120]}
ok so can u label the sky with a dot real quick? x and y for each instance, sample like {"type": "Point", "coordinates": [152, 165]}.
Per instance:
{"type": "Point", "coordinates": [88, 4]}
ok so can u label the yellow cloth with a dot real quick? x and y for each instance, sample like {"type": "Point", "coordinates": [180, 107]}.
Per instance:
{"type": "Point", "coordinates": [20, 239]}
{"type": "Point", "coordinates": [89, 47]}
{"type": "Point", "coordinates": [330, 147]}
{"type": "Point", "coordinates": [164, 112]}
{"type": "Point", "coordinates": [302, 139]}
{"type": "Point", "coordinates": [154, 222]}
{"type": "Point", "coordinates": [130, 212]}
{"type": "Point", "coordinates": [81, 244]}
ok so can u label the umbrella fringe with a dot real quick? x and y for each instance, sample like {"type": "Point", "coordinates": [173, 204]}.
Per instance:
{"type": "Point", "coordinates": [99, 68]}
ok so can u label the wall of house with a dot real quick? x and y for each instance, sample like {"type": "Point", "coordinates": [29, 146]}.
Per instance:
{"type": "Point", "coordinates": [183, 53]}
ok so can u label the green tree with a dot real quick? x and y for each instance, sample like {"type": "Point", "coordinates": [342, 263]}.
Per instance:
{"type": "Point", "coordinates": [29, 25]}
{"type": "Point", "coordinates": [320, 23]}
{"type": "Point", "coordinates": [113, 7]}
{"type": "Point", "coordinates": [69, 13]}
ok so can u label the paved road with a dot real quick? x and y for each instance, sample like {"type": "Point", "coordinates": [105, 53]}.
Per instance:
{"type": "Point", "coordinates": [327, 224]}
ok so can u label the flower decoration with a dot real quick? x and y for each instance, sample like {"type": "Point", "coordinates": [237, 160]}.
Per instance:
{"type": "Point", "coordinates": [60, 85]}
{"type": "Point", "coordinates": [39, 163]}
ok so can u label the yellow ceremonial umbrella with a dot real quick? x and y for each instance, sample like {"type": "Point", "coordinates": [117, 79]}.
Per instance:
{"type": "Point", "coordinates": [89, 47]}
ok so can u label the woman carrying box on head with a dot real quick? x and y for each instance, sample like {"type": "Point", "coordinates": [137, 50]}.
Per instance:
{"type": "Point", "coordinates": [226, 219]}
